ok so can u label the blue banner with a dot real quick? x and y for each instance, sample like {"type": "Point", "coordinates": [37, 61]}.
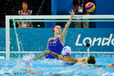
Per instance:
{"type": "Point", "coordinates": [35, 39]}
{"type": "Point", "coordinates": [99, 39]}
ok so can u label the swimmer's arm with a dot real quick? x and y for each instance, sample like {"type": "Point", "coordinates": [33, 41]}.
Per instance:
{"type": "Point", "coordinates": [82, 60]}
{"type": "Point", "coordinates": [78, 61]}
{"type": "Point", "coordinates": [81, 63]}
{"type": "Point", "coordinates": [40, 56]}
{"type": "Point", "coordinates": [74, 60]}
{"type": "Point", "coordinates": [56, 55]}
{"type": "Point", "coordinates": [63, 34]}
{"type": "Point", "coordinates": [43, 53]}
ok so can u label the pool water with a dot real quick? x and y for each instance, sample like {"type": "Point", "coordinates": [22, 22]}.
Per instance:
{"type": "Point", "coordinates": [53, 67]}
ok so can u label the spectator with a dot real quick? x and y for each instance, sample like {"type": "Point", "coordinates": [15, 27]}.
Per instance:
{"type": "Point", "coordinates": [79, 7]}
{"type": "Point", "coordinates": [24, 11]}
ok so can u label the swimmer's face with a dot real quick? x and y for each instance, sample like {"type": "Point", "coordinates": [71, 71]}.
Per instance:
{"type": "Point", "coordinates": [58, 29]}
{"type": "Point", "coordinates": [24, 6]}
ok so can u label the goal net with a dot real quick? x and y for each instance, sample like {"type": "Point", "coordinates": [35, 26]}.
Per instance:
{"type": "Point", "coordinates": [20, 41]}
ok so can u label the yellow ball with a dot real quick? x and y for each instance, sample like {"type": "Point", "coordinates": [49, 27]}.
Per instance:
{"type": "Point", "coordinates": [90, 7]}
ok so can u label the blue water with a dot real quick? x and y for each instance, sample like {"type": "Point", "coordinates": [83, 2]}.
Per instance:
{"type": "Point", "coordinates": [57, 68]}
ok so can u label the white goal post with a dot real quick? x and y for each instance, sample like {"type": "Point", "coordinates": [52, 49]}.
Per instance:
{"type": "Point", "coordinates": [51, 18]}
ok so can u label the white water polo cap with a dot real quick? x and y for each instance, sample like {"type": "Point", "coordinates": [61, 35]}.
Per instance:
{"type": "Point", "coordinates": [66, 50]}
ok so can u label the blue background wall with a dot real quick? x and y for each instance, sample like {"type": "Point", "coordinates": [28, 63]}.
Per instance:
{"type": "Point", "coordinates": [35, 39]}
{"type": "Point", "coordinates": [103, 7]}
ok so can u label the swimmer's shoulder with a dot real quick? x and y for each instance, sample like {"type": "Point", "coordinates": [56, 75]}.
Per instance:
{"type": "Point", "coordinates": [50, 39]}
{"type": "Point", "coordinates": [73, 59]}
